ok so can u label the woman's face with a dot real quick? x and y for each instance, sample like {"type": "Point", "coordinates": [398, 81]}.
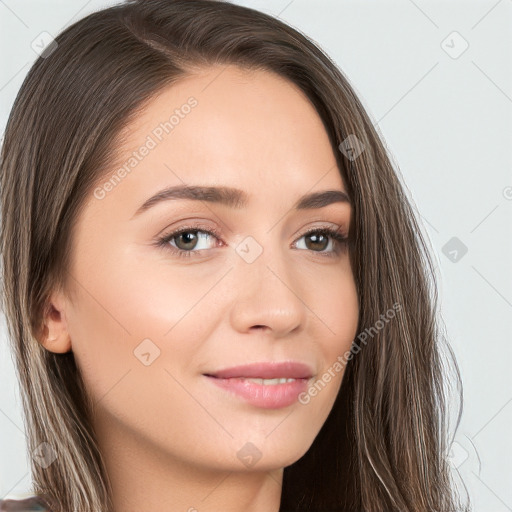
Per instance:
{"type": "Point", "coordinates": [150, 322]}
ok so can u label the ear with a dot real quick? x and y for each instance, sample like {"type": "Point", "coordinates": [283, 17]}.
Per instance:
{"type": "Point", "coordinates": [55, 336]}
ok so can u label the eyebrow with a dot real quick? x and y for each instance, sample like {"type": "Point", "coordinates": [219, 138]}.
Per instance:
{"type": "Point", "coordinates": [236, 198]}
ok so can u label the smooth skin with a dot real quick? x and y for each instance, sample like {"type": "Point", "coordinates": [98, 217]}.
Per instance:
{"type": "Point", "coordinates": [170, 437]}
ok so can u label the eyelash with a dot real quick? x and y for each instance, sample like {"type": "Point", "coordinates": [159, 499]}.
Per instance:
{"type": "Point", "coordinates": [340, 239]}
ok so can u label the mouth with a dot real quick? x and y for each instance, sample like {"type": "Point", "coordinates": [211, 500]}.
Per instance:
{"type": "Point", "coordinates": [264, 385]}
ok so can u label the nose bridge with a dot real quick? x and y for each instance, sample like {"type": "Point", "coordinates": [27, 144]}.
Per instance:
{"type": "Point", "coordinates": [265, 293]}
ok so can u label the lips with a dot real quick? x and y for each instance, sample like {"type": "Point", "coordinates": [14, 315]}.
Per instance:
{"type": "Point", "coordinates": [270, 370]}
{"type": "Point", "coordinates": [267, 385]}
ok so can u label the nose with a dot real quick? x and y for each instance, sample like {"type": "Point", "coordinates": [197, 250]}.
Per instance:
{"type": "Point", "coordinates": [268, 296]}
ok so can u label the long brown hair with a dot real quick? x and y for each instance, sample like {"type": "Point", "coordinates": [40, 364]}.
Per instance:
{"type": "Point", "coordinates": [384, 445]}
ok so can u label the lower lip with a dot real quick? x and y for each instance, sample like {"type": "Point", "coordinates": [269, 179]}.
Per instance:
{"type": "Point", "coordinates": [271, 396]}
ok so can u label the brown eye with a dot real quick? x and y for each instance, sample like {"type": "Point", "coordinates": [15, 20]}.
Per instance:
{"type": "Point", "coordinates": [186, 240]}
{"type": "Point", "coordinates": [319, 241]}
{"type": "Point", "coordinates": [189, 240]}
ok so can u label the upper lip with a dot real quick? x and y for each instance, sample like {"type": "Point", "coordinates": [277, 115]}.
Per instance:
{"type": "Point", "coordinates": [266, 370]}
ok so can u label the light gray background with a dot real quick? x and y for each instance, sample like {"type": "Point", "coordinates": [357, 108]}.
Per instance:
{"type": "Point", "coordinates": [447, 120]}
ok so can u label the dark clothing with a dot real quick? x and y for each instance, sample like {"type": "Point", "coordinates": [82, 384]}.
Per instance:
{"type": "Point", "coordinates": [30, 504]}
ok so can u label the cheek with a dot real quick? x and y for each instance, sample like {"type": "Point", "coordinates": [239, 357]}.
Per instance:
{"type": "Point", "coordinates": [338, 309]}
{"type": "Point", "coordinates": [343, 313]}
{"type": "Point", "coordinates": [136, 342]}
{"type": "Point", "coordinates": [131, 319]}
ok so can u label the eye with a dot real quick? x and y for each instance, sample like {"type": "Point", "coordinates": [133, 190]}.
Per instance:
{"type": "Point", "coordinates": [187, 239]}
{"type": "Point", "coordinates": [320, 238]}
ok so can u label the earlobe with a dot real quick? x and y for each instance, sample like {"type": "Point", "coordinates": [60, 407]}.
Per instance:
{"type": "Point", "coordinates": [60, 343]}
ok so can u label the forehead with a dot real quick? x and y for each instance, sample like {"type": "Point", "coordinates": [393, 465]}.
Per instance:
{"type": "Point", "coordinates": [224, 125]}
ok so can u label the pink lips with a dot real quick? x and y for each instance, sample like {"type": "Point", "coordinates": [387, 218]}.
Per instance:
{"type": "Point", "coordinates": [267, 396]}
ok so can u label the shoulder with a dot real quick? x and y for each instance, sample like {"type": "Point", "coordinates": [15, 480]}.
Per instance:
{"type": "Point", "coordinates": [28, 504]}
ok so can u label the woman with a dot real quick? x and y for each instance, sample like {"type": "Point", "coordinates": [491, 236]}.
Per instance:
{"type": "Point", "coordinates": [217, 292]}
